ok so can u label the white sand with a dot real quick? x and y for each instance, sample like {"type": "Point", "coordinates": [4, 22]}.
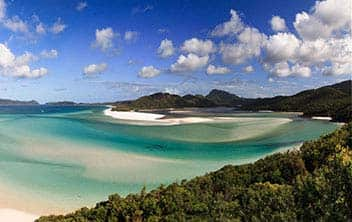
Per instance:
{"type": "Point", "coordinates": [322, 118]}
{"type": "Point", "coordinates": [153, 118]}
{"type": "Point", "coordinates": [11, 215]}
{"type": "Point", "coordinates": [133, 115]}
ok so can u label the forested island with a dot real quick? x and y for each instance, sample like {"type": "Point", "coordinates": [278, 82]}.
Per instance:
{"type": "Point", "coordinates": [333, 101]}
{"type": "Point", "coordinates": [312, 183]}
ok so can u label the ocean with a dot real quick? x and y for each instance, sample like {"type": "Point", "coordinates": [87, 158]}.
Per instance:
{"type": "Point", "coordinates": [56, 159]}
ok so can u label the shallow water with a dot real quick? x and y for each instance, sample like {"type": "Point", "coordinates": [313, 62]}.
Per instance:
{"type": "Point", "coordinates": [57, 159]}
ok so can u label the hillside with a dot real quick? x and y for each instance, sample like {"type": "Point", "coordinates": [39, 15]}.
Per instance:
{"type": "Point", "coordinates": [61, 103]}
{"type": "Point", "coordinates": [334, 101]}
{"type": "Point", "coordinates": [165, 100]}
{"type": "Point", "coordinates": [223, 98]}
{"type": "Point", "coordinates": [8, 102]}
{"type": "Point", "coordinates": [310, 184]}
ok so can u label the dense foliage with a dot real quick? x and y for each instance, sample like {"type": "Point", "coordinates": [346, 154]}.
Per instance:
{"type": "Point", "coordinates": [310, 184]}
{"type": "Point", "coordinates": [334, 101]}
{"type": "Point", "coordinates": [165, 100]}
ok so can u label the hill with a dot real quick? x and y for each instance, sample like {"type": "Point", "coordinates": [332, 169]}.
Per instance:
{"type": "Point", "coordinates": [223, 98]}
{"type": "Point", "coordinates": [334, 101]}
{"type": "Point", "coordinates": [165, 100]}
{"type": "Point", "coordinates": [8, 102]}
{"type": "Point", "coordinates": [61, 103]}
{"type": "Point", "coordinates": [310, 184]}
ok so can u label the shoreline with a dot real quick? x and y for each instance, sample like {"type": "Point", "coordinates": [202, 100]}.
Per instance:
{"type": "Point", "coordinates": [149, 118]}
{"type": "Point", "coordinates": [144, 118]}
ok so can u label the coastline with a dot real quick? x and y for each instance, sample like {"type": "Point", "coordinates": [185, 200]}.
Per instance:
{"type": "Point", "coordinates": [153, 118]}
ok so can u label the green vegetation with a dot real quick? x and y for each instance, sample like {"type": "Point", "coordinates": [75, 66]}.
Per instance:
{"type": "Point", "coordinates": [310, 184]}
{"type": "Point", "coordinates": [334, 101]}
{"type": "Point", "coordinates": [164, 100]}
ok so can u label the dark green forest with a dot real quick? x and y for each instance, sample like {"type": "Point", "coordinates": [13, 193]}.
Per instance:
{"type": "Point", "coordinates": [313, 183]}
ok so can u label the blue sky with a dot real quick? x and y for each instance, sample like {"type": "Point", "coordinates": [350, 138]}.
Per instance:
{"type": "Point", "coordinates": [95, 51]}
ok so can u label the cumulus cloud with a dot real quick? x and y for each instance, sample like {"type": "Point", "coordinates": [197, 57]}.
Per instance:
{"type": "Point", "coordinates": [166, 48]}
{"type": "Point", "coordinates": [15, 24]}
{"type": "Point", "coordinates": [149, 72]}
{"type": "Point", "coordinates": [323, 44]}
{"type": "Point", "coordinates": [211, 70]}
{"type": "Point", "coordinates": [58, 27]}
{"type": "Point", "coordinates": [278, 24]}
{"type": "Point", "coordinates": [49, 54]}
{"type": "Point", "coordinates": [320, 44]}
{"type": "Point", "coordinates": [131, 35]}
{"type": "Point", "coordinates": [327, 18]}
{"type": "Point", "coordinates": [248, 69]}
{"type": "Point", "coordinates": [281, 46]}
{"type": "Point", "coordinates": [283, 69]}
{"type": "Point", "coordinates": [81, 6]}
{"type": "Point", "coordinates": [191, 62]}
{"type": "Point", "coordinates": [13, 66]}
{"type": "Point", "coordinates": [40, 29]}
{"type": "Point", "coordinates": [94, 69]}
{"type": "Point", "coordinates": [198, 46]}
{"type": "Point", "coordinates": [231, 27]}
{"type": "Point", "coordinates": [104, 39]}
{"type": "Point", "coordinates": [248, 45]}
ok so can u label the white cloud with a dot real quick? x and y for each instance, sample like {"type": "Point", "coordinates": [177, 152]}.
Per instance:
{"type": "Point", "coordinates": [281, 46]}
{"type": "Point", "coordinates": [166, 48]}
{"type": "Point", "coordinates": [278, 24]}
{"type": "Point", "coordinates": [15, 24]}
{"type": "Point", "coordinates": [231, 27]}
{"type": "Point", "coordinates": [217, 70]}
{"type": "Point", "coordinates": [49, 54]}
{"type": "Point", "coordinates": [94, 69]}
{"type": "Point", "coordinates": [322, 45]}
{"type": "Point", "coordinates": [13, 66]}
{"type": "Point", "coordinates": [104, 38]}
{"type": "Point", "coordinates": [283, 69]}
{"type": "Point", "coordinates": [40, 29]}
{"type": "Point", "coordinates": [249, 44]}
{"type": "Point", "coordinates": [131, 35]}
{"type": "Point", "coordinates": [338, 69]}
{"type": "Point", "coordinates": [2, 9]}
{"type": "Point", "coordinates": [58, 27]}
{"type": "Point", "coordinates": [327, 18]}
{"type": "Point", "coordinates": [149, 72]}
{"type": "Point", "coordinates": [81, 5]}
{"type": "Point", "coordinates": [191, 62]}
{"type": "Point", "coordinates": [248, 69]}
{"type": "Point", "coordinates": [198, 46]}
{"type": "Point", "coordinates": [37, 73]}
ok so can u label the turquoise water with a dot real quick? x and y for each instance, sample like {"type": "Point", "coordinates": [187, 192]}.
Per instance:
{"type": "Point", "coordinates": [63, 158]}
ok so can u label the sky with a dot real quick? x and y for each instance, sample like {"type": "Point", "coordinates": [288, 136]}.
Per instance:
{"type": "Point", "coordinates": [99, 51]}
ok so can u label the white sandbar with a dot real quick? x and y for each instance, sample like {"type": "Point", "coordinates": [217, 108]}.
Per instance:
{"type": "Point", "coordinates": [322, 118]}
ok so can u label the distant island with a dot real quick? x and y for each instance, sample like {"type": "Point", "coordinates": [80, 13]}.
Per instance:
{"type": "Point", "coordinates": [329, 101]}
{"type": "Point", "coordinates": [8, 102]}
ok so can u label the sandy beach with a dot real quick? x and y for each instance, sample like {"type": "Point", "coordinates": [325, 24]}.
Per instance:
{"type": "Point", "coordinates": [322, 118]}
{"type": "Point", "coordinates": [153, 118]}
